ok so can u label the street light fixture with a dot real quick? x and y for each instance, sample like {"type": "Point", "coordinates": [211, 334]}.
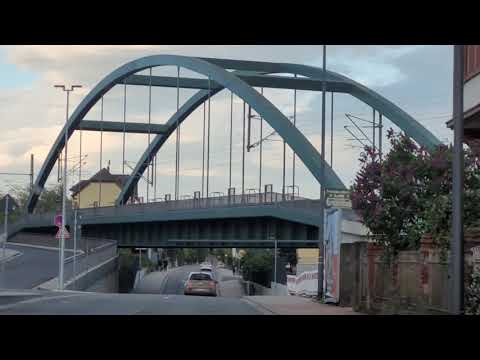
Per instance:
{"type": "Point", "coordinates": [64, 186]}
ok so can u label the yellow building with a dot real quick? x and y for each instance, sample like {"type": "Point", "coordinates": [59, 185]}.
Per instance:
{"type": "Point", "coordinates": [307, 256]}
{"type": "Point", "coordinates": [101, 190]}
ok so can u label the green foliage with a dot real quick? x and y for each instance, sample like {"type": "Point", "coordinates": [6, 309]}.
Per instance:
{"type": "Point", "coordinates": [257, 265]}
{"type": "Point", "coordinates": [50, 200]}
{"type": "Point", "coordinates": [472, 295]}
{"type": "Point", "coordinates": [409, 194]}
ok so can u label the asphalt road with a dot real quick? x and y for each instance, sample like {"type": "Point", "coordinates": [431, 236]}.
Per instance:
{"type": "Point", "coordinates": [170, 283]}
{"type": "Point", "coordinates": [33, 267]}
{"type": "Point", "coordinates": [71, 303]}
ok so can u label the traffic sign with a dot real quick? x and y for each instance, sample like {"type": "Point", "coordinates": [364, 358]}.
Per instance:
{"type": "Point", "coordinates": [339, 199]}
{"type": "Point", "coordinates": [59, 234]}
{"type": "Point", "coordinates": [58, 220]}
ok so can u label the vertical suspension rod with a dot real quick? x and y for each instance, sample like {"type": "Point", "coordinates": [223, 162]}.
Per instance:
{"type": "Point", "coordinates": [101, 153]}
{"type": "Point", "coordinates": [331, 133]}
{"type": "Point", "coordinates": [261, 151]}
{"type": "Point", "coordinates": [148, 136]}
{"type": "Point", "coordinates": [177, 152]}
{"type": "Point", "coordinates": [243, 153]}
{"type": "Point", "coordinates": [294, 124]}
{"type": "Point", "coordinates": [203, 150]}
{"type": "Point", "coordinates": [231, 133]}
{"type": "Point", "coordinates": [124, 123]}
{"type": "Point", "coordinates": [208, 137]}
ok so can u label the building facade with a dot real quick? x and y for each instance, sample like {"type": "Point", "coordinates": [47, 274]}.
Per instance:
{"type": "Point", "coordinates": [101, 190]}
{"type": "Point", "coordinates": [471, 97]}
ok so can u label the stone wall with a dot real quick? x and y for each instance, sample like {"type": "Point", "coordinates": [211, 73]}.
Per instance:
{"type": "Point", "coordinates": [415, 282]}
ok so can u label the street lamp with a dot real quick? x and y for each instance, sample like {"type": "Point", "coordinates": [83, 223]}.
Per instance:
{"type": "Point", "coordinates": [64, 186]}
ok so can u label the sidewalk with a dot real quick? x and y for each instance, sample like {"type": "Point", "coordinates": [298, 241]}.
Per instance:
{"type": "Point", "coordinates": [230, 285]}
{"type": "Point", "coordinates": [294, 305]}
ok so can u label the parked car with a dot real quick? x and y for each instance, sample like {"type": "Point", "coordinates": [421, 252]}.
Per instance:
{"type": "Point", "coordinates": [200, 283]}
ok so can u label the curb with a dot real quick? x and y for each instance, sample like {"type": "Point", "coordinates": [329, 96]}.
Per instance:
{"type": "Point", "coordinates": [263, 309]}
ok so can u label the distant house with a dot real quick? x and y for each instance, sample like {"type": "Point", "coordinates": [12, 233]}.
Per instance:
{"type": "Point", "coordinates": [101, 190]}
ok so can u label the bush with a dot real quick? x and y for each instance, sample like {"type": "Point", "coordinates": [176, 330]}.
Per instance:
{"type": "Point", "coordinates": [472, 295]}
{"type": "Point", "coordinates": [409, 194]}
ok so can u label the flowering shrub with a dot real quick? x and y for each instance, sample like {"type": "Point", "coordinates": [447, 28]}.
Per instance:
{"type": "Point", "coordinates": [409, 194]}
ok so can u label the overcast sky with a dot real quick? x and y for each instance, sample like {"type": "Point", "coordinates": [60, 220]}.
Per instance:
{"type": "Point", "coordinates": [416, 78]}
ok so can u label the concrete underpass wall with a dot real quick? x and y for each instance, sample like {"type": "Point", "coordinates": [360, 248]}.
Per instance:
{"type": "Point", "coordinates": [102, 278]}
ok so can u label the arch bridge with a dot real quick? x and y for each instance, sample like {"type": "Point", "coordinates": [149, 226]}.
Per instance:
{"type": "Point", "coordinates": [226, 221]}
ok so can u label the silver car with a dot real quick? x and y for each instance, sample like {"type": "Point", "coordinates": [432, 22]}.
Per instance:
{"type": "Point", "coordinates": [200, 283]}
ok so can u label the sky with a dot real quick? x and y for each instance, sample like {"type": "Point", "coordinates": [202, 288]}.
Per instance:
{"type": "Point", "coordinates": [416, 78]}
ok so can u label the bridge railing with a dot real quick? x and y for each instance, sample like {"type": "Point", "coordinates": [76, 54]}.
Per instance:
{"type": "Point", "coordinates": [264, 199]}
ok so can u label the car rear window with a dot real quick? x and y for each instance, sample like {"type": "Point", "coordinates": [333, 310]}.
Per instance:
{"type": "Point", "coordinates": [200, 277]}
{"type": "Point", "coordinates": [206, 269]}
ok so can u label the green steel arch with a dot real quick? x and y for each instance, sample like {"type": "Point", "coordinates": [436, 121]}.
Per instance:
{"type": "Point", "coordinates": [215, 70]}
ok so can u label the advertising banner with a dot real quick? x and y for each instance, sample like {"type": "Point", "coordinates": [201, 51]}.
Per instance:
{"type": "Point", "coordinates": [332, 255]}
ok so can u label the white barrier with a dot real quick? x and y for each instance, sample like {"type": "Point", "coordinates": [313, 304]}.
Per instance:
{"type": "Point", "coordinates": [305, 284]}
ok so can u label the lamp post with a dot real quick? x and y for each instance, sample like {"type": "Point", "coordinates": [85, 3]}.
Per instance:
{"type": "Point", "coordinates": [64, 186]}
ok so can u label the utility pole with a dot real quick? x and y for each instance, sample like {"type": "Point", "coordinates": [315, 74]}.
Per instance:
{"type": "Point", "coordinates": [322, 187]}
{"type": "Point", "coordinates": [5, 233]}
{"type": "Point", "coordinates": [456, 303]}
{"type": "Point", "coordinates": [64, 186]}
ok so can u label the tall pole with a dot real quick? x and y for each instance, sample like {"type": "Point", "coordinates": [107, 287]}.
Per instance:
{"type": "Point", "coordinates": [456, 303]}
{"type": "Point", "coordinates": [31, 173]}
{"type": "Point", "coordinates": [6, 233]}
{"type": "Point", "coordinates": [331, 133]}
{"type": "Point", "coordinates": [380, 134]}
{"type": "Point", "coordinates": [275, 266]}
{"type": "Point", "coordinates": [322, 189]}
{"type": "Point", "coordinates": [75, 250]}
{"type": "Point", "coordinates": [373, 129]}
{"type": "Point", "coordinates": [64, 186]}
{"type": "Point", "coordinates": [64, 201]}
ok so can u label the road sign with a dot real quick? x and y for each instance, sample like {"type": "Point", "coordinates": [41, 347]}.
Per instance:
{"type": "Point", "coordinates": [339, 199]}
{"type": "Point", "coordinates": [58, 220]}
{"type": "Point", "coordinates": [59, 234]}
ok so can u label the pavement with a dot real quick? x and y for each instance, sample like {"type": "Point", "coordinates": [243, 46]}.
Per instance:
{"type": "Point", "coordinates": [295, 305]}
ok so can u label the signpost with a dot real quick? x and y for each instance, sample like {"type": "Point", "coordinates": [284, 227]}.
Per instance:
{"type": "Point", "coordinates": [339, 199]}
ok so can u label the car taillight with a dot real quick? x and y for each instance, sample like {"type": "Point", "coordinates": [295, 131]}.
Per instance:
{"type": "Point", "coordinates": [212, 284]}
{"type": "Point", "coordinates": [189, 284]}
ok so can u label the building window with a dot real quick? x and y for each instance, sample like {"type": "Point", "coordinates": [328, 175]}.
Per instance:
{"type": "Point", "coordinates": [472, 61]}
